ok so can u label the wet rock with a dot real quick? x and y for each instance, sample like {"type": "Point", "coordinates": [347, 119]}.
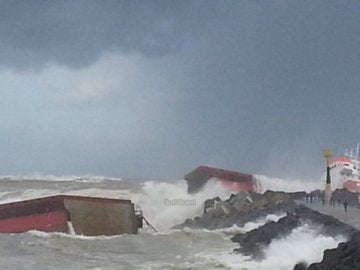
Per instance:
{"type": "Point", "coordinates": [240, 200]}
{"type": "Point", "coordinates": [210, 204]}
{"type": "Point", "coordinates": [225, 208]}
{"type": "Point", "coordinates": [345, 257]}
{"type": "Point", "coordinates": [300, 266]}
{"type": "Point", "coordinates": [241, 208]}
{"type": "Point", "coordinates": [253, 242]}
{"type": "Point", "coordinates": [327, 225]}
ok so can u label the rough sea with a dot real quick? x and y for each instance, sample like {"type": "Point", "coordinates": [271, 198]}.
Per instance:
{"type": "Point", "coordinates": [164, 204]}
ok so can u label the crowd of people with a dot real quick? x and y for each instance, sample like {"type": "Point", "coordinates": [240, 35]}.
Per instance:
{"type": "Point", "coordinates": [315, 197]}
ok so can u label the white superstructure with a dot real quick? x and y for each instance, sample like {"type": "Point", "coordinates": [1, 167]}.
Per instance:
{"type": "Point", "coordinates": [345, 170]}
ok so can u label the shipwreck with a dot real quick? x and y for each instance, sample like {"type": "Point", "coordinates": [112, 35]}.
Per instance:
{"type": "Point", "coordinates": [232, 180]}
{"type": "Point", "coordinates": [90, 216]}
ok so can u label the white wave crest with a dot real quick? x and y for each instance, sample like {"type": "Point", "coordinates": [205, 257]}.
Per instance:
{"type": "Point", "coordinates": [303, 244]}
{"type": "Point", "coordinates": [288, 185]}
{"type": "Point", "coordinates": [166, 204]}
{"type": "Point", "coordinates": [51, 177]}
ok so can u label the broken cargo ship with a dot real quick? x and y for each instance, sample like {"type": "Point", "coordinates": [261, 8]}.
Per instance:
{"type": "Point", "coordinates": [232, 180]}
{"type": "Point", "coordinates": [88, 216]}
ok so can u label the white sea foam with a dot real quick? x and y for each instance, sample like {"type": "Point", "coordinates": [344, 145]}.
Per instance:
{"type": "Point", "coordinates": [168, 203]}
{"type": "Point", "coordinates": [106, 193]}
{"type": "Point", "coordinates": [261, 221]}
{"type": "Point", "coordinates": [303, 244]}
{"type": "Point", "coordinates": [42, 234]}
{"type": "Point", "coordinates": [51, 177]}
{"type": "Point", "coordinates": [246, 228]}
{"type": "Point", "coordinates": [27, 194]}
{"type": "Point", "coordinates": [164, 204]}
{"type": "Point", "coordinates": [205, 250]}
{"type": "Point", "coordinates": [288, 185]}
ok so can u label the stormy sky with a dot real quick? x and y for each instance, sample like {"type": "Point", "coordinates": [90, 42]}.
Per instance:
{"type": "Point", "coordinates": [152, 89]}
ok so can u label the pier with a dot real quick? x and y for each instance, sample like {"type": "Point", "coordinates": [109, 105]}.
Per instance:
{"type": "Point", "coordinates": [350, 217]}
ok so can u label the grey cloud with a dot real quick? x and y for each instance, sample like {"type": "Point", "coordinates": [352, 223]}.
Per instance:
{"type": "Point", "coordinates": [232, 81]}
{"type": "Point", "coordinates": [76, 33]}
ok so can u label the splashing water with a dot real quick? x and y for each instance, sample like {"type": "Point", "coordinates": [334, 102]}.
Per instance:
{"type": "Point", "coordinates": [165, 204]}
{"type": "Point", "coordinates": [303, 244]}
{"type": "Point", "coordinates": [288, 185]}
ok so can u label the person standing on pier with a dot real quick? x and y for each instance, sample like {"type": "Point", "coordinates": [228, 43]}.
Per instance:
{"type": "Point", "coordinates": [345, 205]}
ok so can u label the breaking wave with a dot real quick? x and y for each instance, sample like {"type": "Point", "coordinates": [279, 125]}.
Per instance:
{"type": "Point", "coordinates": [304, 244]}
{"type": "Point", "coordinates": [166, 204]}
{"type": "Point", "coordinates": [51, 177]}
{"type": "Point", "coordinates": [261, 221]}
{"type": "Point", "coordinates": [288, 185]}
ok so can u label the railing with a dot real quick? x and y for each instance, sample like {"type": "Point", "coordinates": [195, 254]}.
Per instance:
{"type": "Point", "coordinates": [139, 214]}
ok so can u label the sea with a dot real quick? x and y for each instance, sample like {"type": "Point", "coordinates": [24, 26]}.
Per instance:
{"type": "Point", "coordinates": [164, 204]}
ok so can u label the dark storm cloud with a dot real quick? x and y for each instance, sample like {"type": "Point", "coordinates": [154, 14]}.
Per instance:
{"type": "Point", "coordinates": [228, 83]}
{"type": "Point", "coordinates": [77, 32]}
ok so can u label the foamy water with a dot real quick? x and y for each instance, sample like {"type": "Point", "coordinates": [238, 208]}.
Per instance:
{"type": "Point", "coordinates": [304, 244]}
{"type": "Point", "coordinates": [164, 204]}
{"type": "Point", "coordinates": [288, 185]}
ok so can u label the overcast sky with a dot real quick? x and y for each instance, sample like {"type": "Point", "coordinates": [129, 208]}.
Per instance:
{"type": "Point", "coordinates": [152, 89]}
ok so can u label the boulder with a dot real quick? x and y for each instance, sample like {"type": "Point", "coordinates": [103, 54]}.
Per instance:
{"type": "Point", "coordinates": [240, 200]}
{"type": "Point", "coordinates": [300, 266]}
{"type": "Point", "coordinates": [210, 204]}
{"type": "Point", "coordinates": [345, 257]}
{"type": "Point", "coordinates": [252, 243]}
{"type": "Point", "coordinates": [239, 209]}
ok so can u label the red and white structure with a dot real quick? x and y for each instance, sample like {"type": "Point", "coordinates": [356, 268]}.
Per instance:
{"type": "Point", "coordinates": [345, 170]}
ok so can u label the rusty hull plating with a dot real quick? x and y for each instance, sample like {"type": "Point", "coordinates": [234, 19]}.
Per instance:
{"type": "Point", "coordinates": [89, 216]}
{"type": "Point", "coordinates": [235, 181]}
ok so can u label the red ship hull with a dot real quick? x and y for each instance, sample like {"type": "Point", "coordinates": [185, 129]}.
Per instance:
{"type": "Point", "coordinates": [353, 186]}
{"type": "Point", "coordinates": [47, 222]}
{"type": "Point", "coordinates": [237, 186]}
{"type": "Point", "coordinates": [231, 180]}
